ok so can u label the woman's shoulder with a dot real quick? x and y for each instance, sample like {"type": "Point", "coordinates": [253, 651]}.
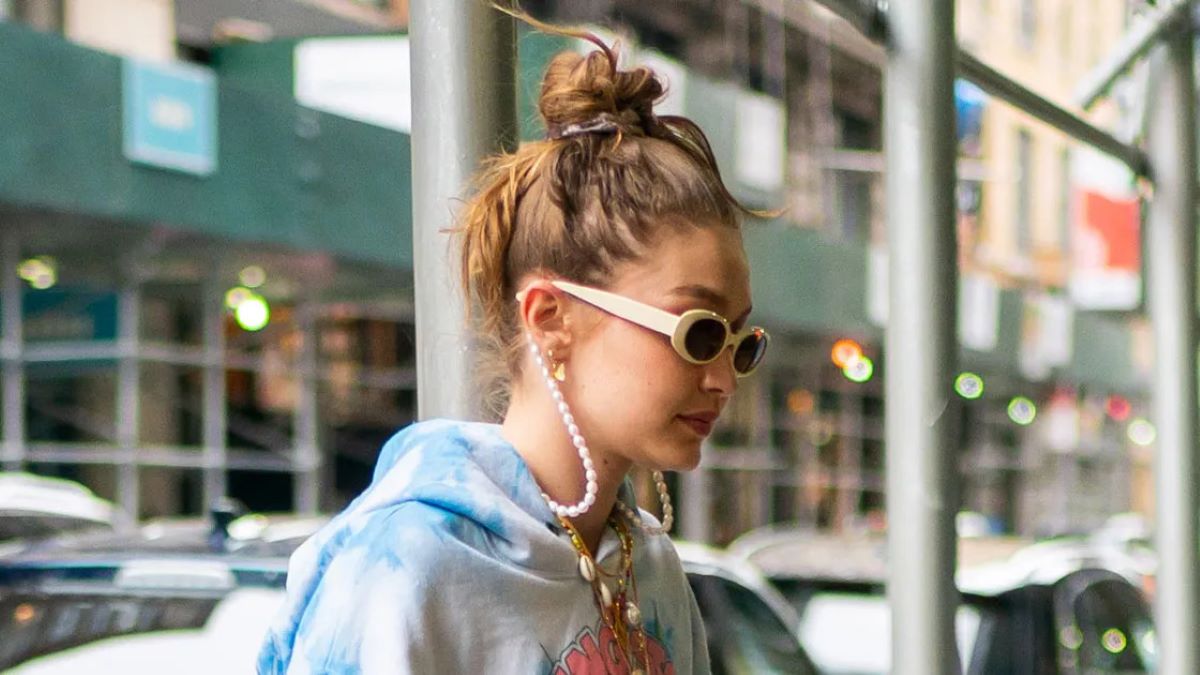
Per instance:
{"type": "Point", "coordinates": [447, 436]}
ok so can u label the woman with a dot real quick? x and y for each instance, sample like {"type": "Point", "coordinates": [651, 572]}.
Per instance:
{"type": "Point", "coordinates": [611, 291]}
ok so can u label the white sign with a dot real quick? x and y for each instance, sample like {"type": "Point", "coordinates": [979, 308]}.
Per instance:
{"type": "Point", "coordinates": [978, 312]}
{"type": "Point", "coordinates": [362, 78]}
{"type": "Point", "coordinates": [760, 141]}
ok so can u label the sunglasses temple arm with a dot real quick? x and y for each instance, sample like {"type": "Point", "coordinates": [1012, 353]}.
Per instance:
{"type": "Point", "coordinates": [644, 315]}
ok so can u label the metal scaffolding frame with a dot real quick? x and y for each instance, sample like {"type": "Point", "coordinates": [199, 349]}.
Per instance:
{"type": "Point", "coordinates": [121, 446]}
{"type": "Point", "coordinates": [459, 108]}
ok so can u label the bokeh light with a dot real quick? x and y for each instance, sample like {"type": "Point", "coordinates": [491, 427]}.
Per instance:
{"type": "Point", "coordinates": [252, 276]}
{"type": "Point", "coordinates": [24, 613]}
{"type": "Point", "coordinates": [1114, 641]}
{"type": "Point", "coordinates": [253, 313]}
{"type": "Point", "coordinates": [236, 296]}
{"type": "Point", "coordinates": [40, 272]}
{"type": "Point", "coordinates": [968, 385]}
{"type": "Point", "coordinates": [1118, 407]}
{"type": "Point", "coordinates": [844, 352]}
{"type": "Point", "coordinates": [801, 401]}
{"type": "Point", "coordinates": [1022, 411]}
{"type": "Point", "coordinates": [859, 370]}
{"type": "Point", "coordinates": [1142, 432]}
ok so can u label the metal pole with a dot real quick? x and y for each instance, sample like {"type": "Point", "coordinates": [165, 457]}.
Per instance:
{"type": "Point", "coordinates": [214, 415]}
{"type": "Point", "coordinates": [464, 108]}
{"type": "Point", "coordinates": [12, 449]}
{"type": "Point", "coordinates": [1000, 86]}
{"type": "Point", "coordinates": [695, 522]}
{"type": "Point", "coordinates": [306, 434]}
{"type": "Point", "coordinates": [128, 408]}
{"type": "Point", "coordinates": [1135, 44]}
{"type": "Point", "coordinates": [921, 348]}
{"type": "Point", "coordinates": [1172, 304]}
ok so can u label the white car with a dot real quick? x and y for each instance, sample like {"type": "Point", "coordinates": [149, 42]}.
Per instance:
{"type": "Point", "coordinates": [37, 506]}
{"type": "Point", "coordinates": [191, 598]}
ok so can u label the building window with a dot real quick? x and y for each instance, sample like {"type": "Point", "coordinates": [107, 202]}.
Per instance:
{"type": "Point", "coordinates": [1024, 191]}
{"type": "Point", "coordinates": [1027, 17]}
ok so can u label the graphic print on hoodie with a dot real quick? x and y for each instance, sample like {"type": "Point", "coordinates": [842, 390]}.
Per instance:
{"type": "Point", "coordinates": [451, 562]}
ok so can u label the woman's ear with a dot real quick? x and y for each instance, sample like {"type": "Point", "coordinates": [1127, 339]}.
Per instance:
{"type": "Point", "coordinates": [545, 317]}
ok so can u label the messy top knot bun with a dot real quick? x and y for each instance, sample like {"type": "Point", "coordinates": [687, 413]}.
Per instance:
{"type": "Point", "coordinates": [608, 179]}
{"type": "Point", "coordinates": [583, 93]}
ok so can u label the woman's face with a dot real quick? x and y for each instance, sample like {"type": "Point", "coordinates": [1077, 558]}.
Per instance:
{"type": "Point", "coordinates": [632, 394]}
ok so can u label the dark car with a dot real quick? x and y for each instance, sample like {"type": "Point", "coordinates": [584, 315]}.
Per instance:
{"type": "Point", "coordinates": [1024, 610]}
{"type": "Point", "coordinates": [197, 596]}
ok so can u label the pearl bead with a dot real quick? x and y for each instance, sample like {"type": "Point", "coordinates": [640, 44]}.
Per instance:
{"type": "Point", "coordinates": [589, 498]}
{"type": "Point", "coordinates": [587, 464]}
{"type": "Point", "coordinates": [592, 488]}
{"type": "Point", "coordinates": [590, 475]}
{"type": "Point", "coordinates": [558, 397]}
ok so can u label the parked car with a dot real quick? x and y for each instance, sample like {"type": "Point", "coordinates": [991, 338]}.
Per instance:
{"type": "Point", "coordinates": [38, 506]}
{"type": "Point", "coordinates": [1022, 610]}
{"type": "Point", "coordinates": [197, 596]}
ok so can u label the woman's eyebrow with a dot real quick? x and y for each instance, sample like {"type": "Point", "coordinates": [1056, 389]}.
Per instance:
{"type": "Point", "coordinates": [703, 293]}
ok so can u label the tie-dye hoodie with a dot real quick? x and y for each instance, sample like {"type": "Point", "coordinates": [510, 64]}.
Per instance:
{"type": "Point", "coordinates": [451, 562]}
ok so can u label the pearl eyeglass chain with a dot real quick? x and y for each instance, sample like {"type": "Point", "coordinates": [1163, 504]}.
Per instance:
{"type": "Point", "coordinates": [589, 469]}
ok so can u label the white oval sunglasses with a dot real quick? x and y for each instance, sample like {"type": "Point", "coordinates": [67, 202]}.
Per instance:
{"type": "Point", "coordinates": [698, 335]}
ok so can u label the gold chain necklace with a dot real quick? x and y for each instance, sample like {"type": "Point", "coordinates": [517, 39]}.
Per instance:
{"type": "Point", "coordinates": [619, 610]}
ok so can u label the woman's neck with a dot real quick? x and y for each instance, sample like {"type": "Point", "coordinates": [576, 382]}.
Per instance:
{"type": "Point", "coordinates": [535, 429]}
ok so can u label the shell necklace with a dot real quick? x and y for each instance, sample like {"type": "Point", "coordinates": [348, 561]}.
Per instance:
{"type": "Point", "coordinates": [617, 602]}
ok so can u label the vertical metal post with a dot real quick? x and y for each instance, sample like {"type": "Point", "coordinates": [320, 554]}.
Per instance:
{"type": "Point", "coordinates": [921, 350]}
{"type": "Point", "coordinates": [695, 521]}
{"type": "Point", "coordinates": [214, 416]}
{"type": "Point", "coordinates": [464, 108]}
{"type": "Point", "coordinates": [12, 447]}
{"type": "Point", "coordinates": [128, 408]}
{"type": "Point", "coordinates": [1172, 303]}
{"type": "Point", "coordinates": [307, 442]}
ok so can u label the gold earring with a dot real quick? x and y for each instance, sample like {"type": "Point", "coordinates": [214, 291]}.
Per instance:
{"type": "Point", "coordinates": [558, 369]}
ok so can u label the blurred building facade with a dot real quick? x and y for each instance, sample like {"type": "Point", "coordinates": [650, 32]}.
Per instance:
{"type": "Point", "coordinates": [134, 371]}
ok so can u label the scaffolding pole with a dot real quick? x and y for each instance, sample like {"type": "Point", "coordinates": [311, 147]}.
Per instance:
{"type": "Point", "coordinates": [1000, 86]}
{"type": "Point", "coordinates": [1172, 303]}
{"type": "Point", "coordinates": [306, 435]}
{"type": "Point", "coordinates": [12, 447]}
{"type": "Point", "coordinates": [129, 405]}
{"type": "Point", "coordinates": [1133, 46]}
{"type": "Point", "coordinates": [921, 348]}
{"type": "Point", "coordinates": [214, 396]}
{"type": "Point", "coordinates": [464, 108]}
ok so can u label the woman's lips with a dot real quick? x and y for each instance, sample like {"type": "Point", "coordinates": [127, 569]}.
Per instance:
{"type": "Point", "coordinates": [701, 424]}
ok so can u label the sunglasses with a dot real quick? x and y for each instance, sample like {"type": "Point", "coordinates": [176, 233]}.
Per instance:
{"type": "Point", "coordinates": [698, 335]}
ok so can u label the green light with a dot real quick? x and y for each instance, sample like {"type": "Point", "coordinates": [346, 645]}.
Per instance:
{"type": "Point", "coordinates": [253, 313]}
{"type": "Point", "coordinates": [236, 296]}
{"type": "Point", "coordinates": [1022, 411]}
{"type": "Point", "coordinates": [1114, 641]}
{"type": "Point", "coordinates": [252, 276]}
{"type": "Point", "coordinates": [969, 386]}
{"type": "Point", "coordinates": [1142, 432]}
{"type": "Point", "coordinates": [859, 370]}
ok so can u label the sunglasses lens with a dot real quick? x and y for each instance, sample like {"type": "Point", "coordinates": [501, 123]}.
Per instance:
{"type": "Point", "coordinates": [705, 339]}
{"type": "Point", "coordinates": [749, 352]}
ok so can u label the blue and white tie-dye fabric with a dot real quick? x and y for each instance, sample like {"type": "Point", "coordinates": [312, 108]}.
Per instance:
{"type": "Point", "coordinates": [451, 562]}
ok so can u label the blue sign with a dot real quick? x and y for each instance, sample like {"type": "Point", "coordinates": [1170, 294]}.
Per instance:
{"type": "Point", "coordinates": [170, 116]}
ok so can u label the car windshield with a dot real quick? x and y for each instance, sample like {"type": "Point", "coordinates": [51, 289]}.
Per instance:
{"type": "Point", "coordinates": [744, 635]}
{"type": "Point", "coordinates": [62, 633]}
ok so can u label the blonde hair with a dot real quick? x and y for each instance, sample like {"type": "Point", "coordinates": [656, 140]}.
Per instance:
{"type": "Point", "coordinates": [610, 175]}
